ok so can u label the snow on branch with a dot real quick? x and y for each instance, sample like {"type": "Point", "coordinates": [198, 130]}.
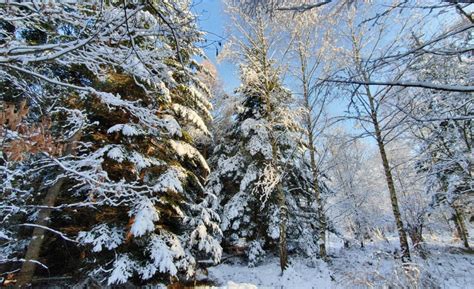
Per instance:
{"type": "Point", "coordinates": [304, 7]}
{"type": "Point", "coordinates": [267, 183]}
{"type": "Point", "coordinates": [425, 85]}
{"type": "Point", "coordinates": [50, 230]}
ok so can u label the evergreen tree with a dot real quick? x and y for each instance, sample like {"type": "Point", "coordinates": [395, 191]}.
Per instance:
{"type": "Point", "coordinates": [260, 175]}
{"type": "Point", "coordinates": [128, 192]}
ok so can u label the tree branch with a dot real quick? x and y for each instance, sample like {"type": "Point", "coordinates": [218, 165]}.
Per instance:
{"type": "Point", "coordinates": [425, 85]}
{"type": "Point", "coordinates": [303, 8]}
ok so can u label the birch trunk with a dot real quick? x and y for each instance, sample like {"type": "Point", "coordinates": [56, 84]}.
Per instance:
{"type": "Point", "coordinates": [312, 151]}
{"type": "Point", "coordinates": [373, 111]}
{"type": "Point", "coordinates": [390, 184]}
{"type": "Point", "coordinates": [320, 209]}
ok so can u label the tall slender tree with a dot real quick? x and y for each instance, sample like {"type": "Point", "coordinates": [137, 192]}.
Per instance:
{"type": "Point", "coordinates": [375, 109]}
{"type": "Point", "coordinates": [311, 51]}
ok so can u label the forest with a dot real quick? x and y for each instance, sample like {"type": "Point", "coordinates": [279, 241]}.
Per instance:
{"type": "Point", "coordinates": [236, 144]}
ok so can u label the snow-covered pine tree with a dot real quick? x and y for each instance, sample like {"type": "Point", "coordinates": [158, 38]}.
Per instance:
{"type": "Point", "coordinates": [128, 193]}
{"type": "Point", "coordinates": [259, 173]}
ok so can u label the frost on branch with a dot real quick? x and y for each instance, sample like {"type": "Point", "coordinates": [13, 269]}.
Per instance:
{"type": "Point", "coordinates": [145, 216]}
{"type": "Point", "coordinates": [259, 141]}
{"type": "Point", "coordinates": [170, 180]}
{"type": "Point", "coordinates": [191, 116]}
{"type": "Point", "coordinates": [122, 270]}
{"type": "Point", "coordinates": [102, 237]}
{"type": "Point", "coordinates": [162, 257]}
{"type": "Point", "coordinates": [126, 129]}
{"type": "Point", "coordinates": [185, 150]}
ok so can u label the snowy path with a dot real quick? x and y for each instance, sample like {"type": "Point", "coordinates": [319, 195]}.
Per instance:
{"type": "Point", "coordinates": [372, 267]}
{"type": "Point", "coordinates": [267, 275]}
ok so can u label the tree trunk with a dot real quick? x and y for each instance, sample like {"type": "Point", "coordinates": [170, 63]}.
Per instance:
{"type": "Point", "coordinates": [461, 227]}
{"type": "Point", "coordinates": [381, 145]}
{"type": "Point", "coordinates": [314, 168]}
{"type": "Point", "coordinates": [416, 236]}
{"type": "Point", "coordinates": [393, 197]}
{"type": "Point", "coordinates": [281, 201]}
{"type": "Point", "coordinates": [389, 179]}
{"type": "Point", "coordinates": [283, 209]}
{"type": "Point", "coordinates": [34, 247]}
{"type": "Point", "coordinates": [320, 209]}
{"type": "Point", "coordinates": [282, 243]}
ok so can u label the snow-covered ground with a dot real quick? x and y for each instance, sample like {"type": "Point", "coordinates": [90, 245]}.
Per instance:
{"type": "Point", "coordinates": [446, 266]}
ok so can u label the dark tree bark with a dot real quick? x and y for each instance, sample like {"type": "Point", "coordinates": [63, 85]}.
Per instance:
{"type": "Point", "coordinates": [282, 244]}
{"type": "Point", "coordinates": [461, 227]}
{"type": "Point", "coordinates": [416, 236]}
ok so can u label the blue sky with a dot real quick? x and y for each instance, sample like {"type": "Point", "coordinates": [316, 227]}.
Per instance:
{"type": "Point", "coordinates": [213, 21]}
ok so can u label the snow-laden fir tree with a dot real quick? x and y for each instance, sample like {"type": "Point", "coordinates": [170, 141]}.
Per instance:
{"type": "Point", "coordinates": [260, 175]}
{"type": "Point", "coordinates": [120, 86]}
